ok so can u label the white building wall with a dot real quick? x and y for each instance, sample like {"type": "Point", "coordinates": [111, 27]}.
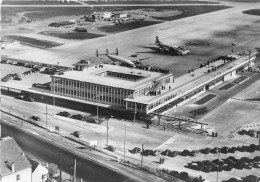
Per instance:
{"type": "Point", "coordinates": [39, 172]}
{"type": "Point", "coordinates": [25, 176]}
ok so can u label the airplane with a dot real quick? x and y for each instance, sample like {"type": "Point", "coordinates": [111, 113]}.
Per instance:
{"type": "Point", "coordinates": [169, 49]}
{"type": "Point", "coordinates": [116, 58]}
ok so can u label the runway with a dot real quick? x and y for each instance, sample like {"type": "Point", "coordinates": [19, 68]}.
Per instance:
{"type": "Point", "coordinates": [173, 32]}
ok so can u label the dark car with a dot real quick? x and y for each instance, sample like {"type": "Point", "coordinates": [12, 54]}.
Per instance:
{"type": "Point", "coordinates": [36, 118]}
{"type": "Point", "coordinates": [64, 114]}
{"type": "Point", "coordinates": [77, 116]}
{"type": "Point", "coordinates": [76, 134]}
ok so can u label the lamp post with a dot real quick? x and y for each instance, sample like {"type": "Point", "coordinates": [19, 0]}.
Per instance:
{"type": "Point", "coordinates": [124, 143]}
{"type": "Point", "coordinates": [97, 98]}
{"type": "Point", "coordinates": [218, 163]}
{"type": "Point", "coordinates": [135, 112]}
{"type": "Point", "coordinates": [142, 154]}
{"type": "Point", "coordinates": [46, 112]}
{"type": "Point", "coordinates": [108, 128]}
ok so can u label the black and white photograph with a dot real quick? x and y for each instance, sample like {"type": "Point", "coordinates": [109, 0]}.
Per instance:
{"type": "Point", "coordinates": [130, 91]}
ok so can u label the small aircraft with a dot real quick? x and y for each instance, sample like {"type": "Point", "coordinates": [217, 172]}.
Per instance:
{"type": "Point", "coordinates": [169, 49]}
{"type": "Point", "coordinates": [114, 57]}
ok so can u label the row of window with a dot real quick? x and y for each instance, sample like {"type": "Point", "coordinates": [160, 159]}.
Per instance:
{"type": "Point", "coordinates": [90, 96]}
{"type": "Point", "coordinates": [87, 86]}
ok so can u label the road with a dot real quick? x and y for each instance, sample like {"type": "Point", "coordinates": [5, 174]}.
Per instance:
{"type": "Point", "coordinates": [137, 134]}
{"type": "Point", "coordinates": [91, 165]}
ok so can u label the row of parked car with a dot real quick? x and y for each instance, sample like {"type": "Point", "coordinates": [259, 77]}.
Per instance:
{"type": "Point", "coordinates": [250, 148]}
{"type": "Point", "coordinates": [225, 164]}
{"type": "Point", "coordinates": [251, 133]}
{"type": "Point", "coordinates": [78, 117]}
{"type": "Point", "coordinates": [14, 76]}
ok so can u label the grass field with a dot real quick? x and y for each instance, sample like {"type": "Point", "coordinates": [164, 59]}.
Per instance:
{"type": "Point", "coordinates": [47, 12]}
{"type": "Point", "coordinates": [127, 26]}
{"type": "Point", "coordinates": [253, 12]}
{"type": "Point", "coordinates": [205, 99]}
{"type": "Point", "coordinates": [72, 35]}
{"type": "Point", "coordinates": [33, 42]}
{"type": "Point", "coordinates": [38, 3]}
{"type": "Point", "coordinates": [154, 2]}
{"type": "Point", "coordinates": [226, 87]}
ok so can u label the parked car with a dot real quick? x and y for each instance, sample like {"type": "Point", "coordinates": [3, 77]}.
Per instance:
{"type": "Point", "coordinates": [77, 116]}
{"type": "Point", "coordinates": [64, 114]}
{"type": "Point", "coordinates": [76, 134]}
{"type": "Point", "coordinates": [36, 118]}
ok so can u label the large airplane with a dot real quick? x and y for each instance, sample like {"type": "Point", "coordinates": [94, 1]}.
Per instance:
{"type": "Point", "coordinates": [116, 58]}
{"type": "Point", "coordinates": [169, 49]}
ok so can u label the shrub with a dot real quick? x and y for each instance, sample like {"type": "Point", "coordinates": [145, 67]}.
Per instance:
{"type": "Point", "coordinates": [175, 173]}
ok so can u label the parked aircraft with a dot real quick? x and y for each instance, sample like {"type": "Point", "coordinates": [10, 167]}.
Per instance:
{"type": "Point", "coordinates": [116, 58]}
{"type": "Point", "coordinates": [169, 49]}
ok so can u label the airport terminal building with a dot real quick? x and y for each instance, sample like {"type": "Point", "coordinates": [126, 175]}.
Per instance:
{"type": "Point", "coordinates": [143, 91]}
{"type": "Point", "coordinates": [110, 85]}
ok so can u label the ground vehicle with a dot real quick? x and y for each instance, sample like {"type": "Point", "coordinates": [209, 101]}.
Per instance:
{"type": "Point", "coordinates": [77, 116]}
{"type": "Point", "coordinates": [64, 114]}
{"type": "Point", "coordinates": [36, 118]}
{"type": "Point", "coordinates": [24, 97]}
{"type": "Point", "coordinates": [76, 134]}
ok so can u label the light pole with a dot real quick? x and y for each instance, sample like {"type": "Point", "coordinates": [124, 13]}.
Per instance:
{"type": "Point", "coordinates": [218, 163]}
{"type": "Point", "coordinates": [124, 143]}
{"type": "Point", "coordinates": [54, 99]}
{"type": "Point", "coordinates": [135, 112]}
{"type": "Point", "coordinates": [97, 98]}
{"type": "Point", "coordinates": [46, 112]}
{"type": "Point", "coordinates": [142, 154]}
{"type": "Point", "coordinates": [108, 128]}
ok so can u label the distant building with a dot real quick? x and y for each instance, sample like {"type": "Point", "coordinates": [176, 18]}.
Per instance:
{"type": "Point", "coordinates": [6, 45]}
{"type": "Point", "coordinates": [39, 171]}
{"type": "Point", "coordinates": [107, 15]}
{"type": "Point", "coordinates": [14, 165]}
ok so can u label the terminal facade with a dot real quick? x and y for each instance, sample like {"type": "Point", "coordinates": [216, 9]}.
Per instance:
{"type": "Point", "coordinates": [143, 91]}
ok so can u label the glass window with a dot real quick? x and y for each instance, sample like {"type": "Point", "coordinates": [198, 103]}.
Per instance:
{"type": "Point", "coordinates": [17, 177]}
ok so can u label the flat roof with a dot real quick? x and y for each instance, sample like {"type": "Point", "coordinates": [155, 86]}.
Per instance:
{"type": "Point", "coordinates": [191, 80]}
{"type": "Point", "coordinates": [92, 76]}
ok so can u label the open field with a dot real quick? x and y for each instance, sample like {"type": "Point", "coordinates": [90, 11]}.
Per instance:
{"type": "Point", "coordinates": [154, 2]}
{"type": "Point", "coordinates": [33, 42]}
{"type": "Point", "coordinates": [48, 12]}
{"type": "Point", "coordinates": [253, 12]}
{"type": "Point", "coordinates": [71, 35]}
{"type": "Point", "coordinates": [37, 2]}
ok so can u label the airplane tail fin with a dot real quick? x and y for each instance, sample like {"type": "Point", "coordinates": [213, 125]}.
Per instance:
{"type": "Point", "coordinates": [116, 51]}
{"type": "Point", "coordinates": [157, 40]}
